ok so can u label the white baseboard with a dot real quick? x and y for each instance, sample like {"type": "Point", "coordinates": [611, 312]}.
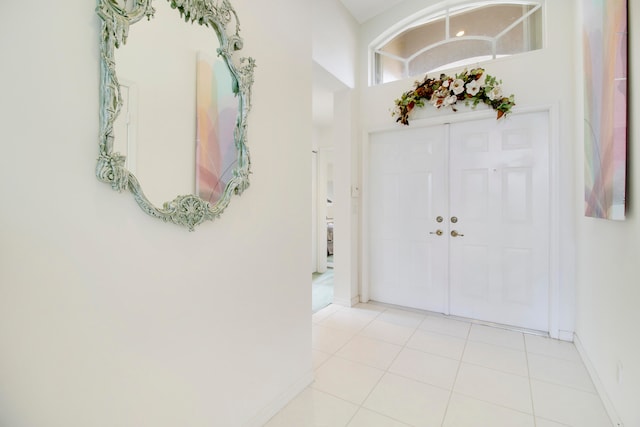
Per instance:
{"type": "Point", "coordinates": [566, 335]}
{"type": "Point", "coordinates": [262, 417]}
{"type": "Point", "coordinates": [347, 302]}
{"type": "Point", "coordinates": [608, 405]}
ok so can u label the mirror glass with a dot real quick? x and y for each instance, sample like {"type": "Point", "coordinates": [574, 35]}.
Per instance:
{"type": "Point", "coordinates": [174, 105]}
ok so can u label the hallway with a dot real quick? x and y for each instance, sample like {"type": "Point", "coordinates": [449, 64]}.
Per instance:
{"type": "Point", "coordinates": [377, 366]}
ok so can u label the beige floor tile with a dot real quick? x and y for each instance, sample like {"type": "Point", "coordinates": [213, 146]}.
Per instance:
{"type": "Point", "coordinates": [499, 358]}
{"type": "Point", "coordinates": [427, 368]}
{"type": "Point", "coordinates": [489, 385]}
{"type": "Point", "coordinates": [568, 406]}
{"type": "Point", "coordinates": [389, 332]}
{"type": "Point", "coordinates": [561, 372]}
{"type": "Point", "coordinates": [367, 418]}
{"type": "Point", "coordinates": [434, 343]}
{"type": "Point", "coordinates": [409, 401]}
{"type": "Point", "coordinates": [313, 408]}
{"type": "Point", "coordinates": [551, 347]}
{"type": "Point", "coordinates": [465, 411]}
{"type": "Point", "coordinates": [329, 340]}
{"type": "Point", "coordinates": [497, 336]}
{"type": "Point", "coordinates": [369, 351]}
{"type": "Point", "coordinates": [346, 379]}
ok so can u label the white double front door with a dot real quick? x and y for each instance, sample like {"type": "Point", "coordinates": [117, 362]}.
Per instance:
{"type": "Point", "coordinates": [458, 219]}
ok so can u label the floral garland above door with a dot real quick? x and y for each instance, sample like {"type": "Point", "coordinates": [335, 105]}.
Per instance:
{"type": "Point", "coordinates": [471, 87]}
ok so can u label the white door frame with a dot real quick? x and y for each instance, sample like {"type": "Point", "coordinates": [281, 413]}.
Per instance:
{"type": "Point", "coordinates": [556, 204]}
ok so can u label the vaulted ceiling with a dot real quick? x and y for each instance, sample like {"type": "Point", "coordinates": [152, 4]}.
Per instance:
{"type": "Point", "coordinates": [323, 84]}
{"type": "Point", "coordinates": [363, 10]}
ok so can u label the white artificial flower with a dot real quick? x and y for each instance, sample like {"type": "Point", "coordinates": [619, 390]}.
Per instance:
{"type": "Point", "coordinates": [458, 86]}
{"type": "Point", "coordinates": [473, 87]}
{"type": "Point", "coordinates": [445, 83]}
{"type": "Point", "coordinates": [482, 79]}
{"type": "Point", "coordinates": [450, 100]}
{"type": "Point", "coordinates": [495, 93]}
{"type": "Point", "coordinates": [437, 99]}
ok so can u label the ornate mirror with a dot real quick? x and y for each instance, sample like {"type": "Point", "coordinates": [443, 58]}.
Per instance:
{"type": "Point", "coordinates": [174, 100]}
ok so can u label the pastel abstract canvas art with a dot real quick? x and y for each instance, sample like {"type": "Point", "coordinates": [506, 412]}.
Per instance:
{"type": "Point", "coordinates": [605, 132]}
{"type": "Point", "coordinates": [216, 117]}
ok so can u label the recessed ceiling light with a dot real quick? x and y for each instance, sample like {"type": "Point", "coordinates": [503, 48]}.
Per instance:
{"type": "Point", "coordinates": [460, 33]}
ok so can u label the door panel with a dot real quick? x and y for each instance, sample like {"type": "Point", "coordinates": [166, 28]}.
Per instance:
{"type": "Point", "coordinates": [408, 191]}
{"type": "Point", "coordinates": [499, 267]}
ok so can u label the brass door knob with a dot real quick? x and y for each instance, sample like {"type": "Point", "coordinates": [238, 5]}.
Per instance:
{"type": "Point", "coordinates": [438, 232]}
{"type": "Point", "coordinates": [454, 233]}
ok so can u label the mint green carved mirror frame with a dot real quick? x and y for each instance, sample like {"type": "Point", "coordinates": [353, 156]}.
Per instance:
{"type": "Point", "coordinates": [218, 15]}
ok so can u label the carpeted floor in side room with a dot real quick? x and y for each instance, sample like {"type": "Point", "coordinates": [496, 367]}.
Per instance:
{"type": "Point", "coordinates": [321, 290]}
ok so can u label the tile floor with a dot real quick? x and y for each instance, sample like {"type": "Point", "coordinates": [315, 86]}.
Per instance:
{"type": "Point", "coordinates": [377, 366]}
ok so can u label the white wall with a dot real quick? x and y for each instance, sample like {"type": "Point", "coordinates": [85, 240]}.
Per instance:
{"type": "Point", "coordinates": [335, 40]}
{"type": "Point", "coordinates": [109, 317]}
{"type": "Point", "coordinates": [607, 263]}
{"type": "Point", "coordinates": [335, 50]}
{"type": "Point", "coordinates": [345, 208]}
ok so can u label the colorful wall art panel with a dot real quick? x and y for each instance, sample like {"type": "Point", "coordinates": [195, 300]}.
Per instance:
{"type": "Point", "coordinates": [605, 145]}
{"type": "Point", "coordinates": [216, 116]}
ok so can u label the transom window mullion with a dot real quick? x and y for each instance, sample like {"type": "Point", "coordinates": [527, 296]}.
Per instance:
{"type": "Point", "coordinates": [401, 51]}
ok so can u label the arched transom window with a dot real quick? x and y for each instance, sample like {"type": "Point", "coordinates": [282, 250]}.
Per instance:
{"type": "Point", "coordinates": [456, 36]}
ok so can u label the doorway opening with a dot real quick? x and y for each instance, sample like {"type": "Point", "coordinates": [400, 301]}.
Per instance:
{"type": "Point", "coordinates": [323, 278]}
{"type": "Point", "coordinates": [332, 103]}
